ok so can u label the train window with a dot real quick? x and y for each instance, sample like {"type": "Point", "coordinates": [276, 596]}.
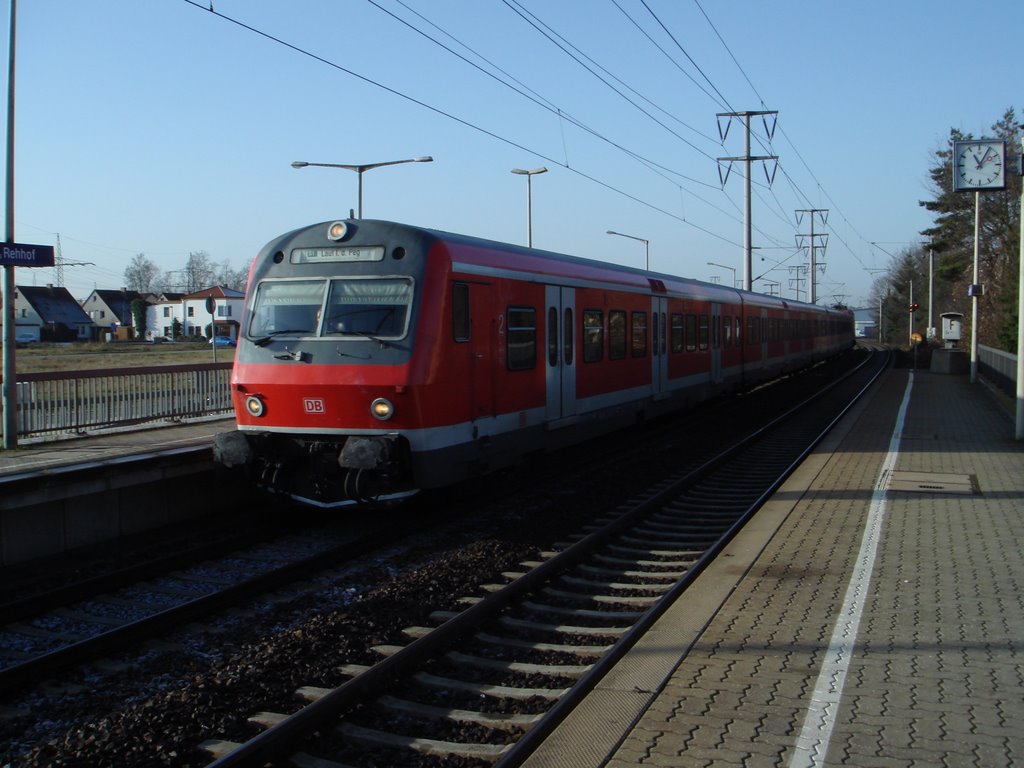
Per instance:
{"type": "Point", "coordinates": [716, 331]}
{"type": "Point", "coordinates": [677, 332]}
{"type": "Point", "coordinates": [522, 338]}
{"type": "Point", "coordinates": [727, 331]}
{"type": "Point", "coordinates": [567, 331]}
{"type": "Point", "coordinates": [593, 335]}
{"type": "Point", "coordinates": [375, 308]}
{"type": "Point", "coordinates": [738, 327]}
{"type": "Point", "coordinates": [664, 333]}
{"type": "Point", "coordinates": [655, 349]}
{"type": "Point", "coordinates": [287, 307]}
{"type": "Point", "coordinates": [691, 333]}
{"type": "Point", "coordinates": [460, 312]}
{"type": "Point", "coordinates": [702, 339]}
{"type": "Point", "coordinates": [639, 334]}
{"type": "Point", "coordinates": [751, 329]}
{"type": "Point", "coordinates": [616, 334]}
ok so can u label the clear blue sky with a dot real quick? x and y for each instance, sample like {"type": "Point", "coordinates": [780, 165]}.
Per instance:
{"type": "Point", "coordinates": [159, 127]}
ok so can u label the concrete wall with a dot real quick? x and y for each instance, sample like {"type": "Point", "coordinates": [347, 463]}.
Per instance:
{"type": "Point", "coordinates": [47, 513]}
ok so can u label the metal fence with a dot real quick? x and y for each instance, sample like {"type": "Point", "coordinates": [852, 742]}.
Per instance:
{"type": "Point", "coordinates": [998, 367]}
{"type": "Point", "coordinates": [50, 404]}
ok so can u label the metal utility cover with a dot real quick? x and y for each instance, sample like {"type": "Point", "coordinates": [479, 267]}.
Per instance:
{"type": "Point", "coordinates": [933, 482]}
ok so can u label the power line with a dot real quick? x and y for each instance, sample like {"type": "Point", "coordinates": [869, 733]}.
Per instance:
{"type": "Point", "coordinates": [461, 121]}
{"type": "Point", "coordinates": [536, 98]}
{"type": "Point", "coordinates": [800, 157]}
{"type": "Point", "coordinates": [536, 23]}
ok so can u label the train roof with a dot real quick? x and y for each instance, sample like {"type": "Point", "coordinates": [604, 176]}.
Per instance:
{"type": "Point", "coordinates": [499, 257]}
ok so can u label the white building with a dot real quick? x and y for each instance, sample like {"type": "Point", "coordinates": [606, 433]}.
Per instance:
{"type": "Point", "coordinates": [193, 313]}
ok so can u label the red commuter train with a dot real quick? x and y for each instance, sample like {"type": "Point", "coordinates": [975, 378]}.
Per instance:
{"type": "Point", "coordinates": [376, 359]}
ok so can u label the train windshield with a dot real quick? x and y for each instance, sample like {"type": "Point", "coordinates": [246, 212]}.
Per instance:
{"type": "Point", "coordinates": [361, 307]}
{"type": "Point", "coordinates": [377, 307]}
{"type": "Point", "coordinates": [287, 307]}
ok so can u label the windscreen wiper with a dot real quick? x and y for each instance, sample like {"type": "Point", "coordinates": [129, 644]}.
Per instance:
{"type": "Point", "coordinates": [262, 342]}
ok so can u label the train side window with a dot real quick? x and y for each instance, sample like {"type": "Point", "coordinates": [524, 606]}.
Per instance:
{"type": "Point", "coordinates": [567, 331]}
{"type": "Point", "coordinates": [639, 334]}
{"type": "Point", "coordinates": [593, 335]}
{"type": "Point", "coordinates": [677, 332]}
{"type": "Point", "coordinates": [751, 329]}
{"type": "Point", "coordinates": [460, 312]}
{"type": "Point", "coordinates": [522, 338]}
{"type": "Point", "coordinates": [703, 338]}
{"type": "Point", "coordinates": [726, 331]}
{"type": "Point", "coordinates": [716, 332]}
{"type": "Point", "coordinates": [739, 327]}
{"type": "Point", "coordinates": [552, 336]}
{"type": "Point", "coordinates": [616, 334]}
{"type": "Point", "coordinates": [691, 333]}
{"type": "Point", "coordinates": [664, 333]}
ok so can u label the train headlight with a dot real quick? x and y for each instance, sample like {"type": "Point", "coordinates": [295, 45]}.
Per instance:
{"type": "Point", "coordinates": [382, 409]}
{"type": "Point", "coordinates": [337, 231]}
{"type": "Point", "coordinates": [254, 406]}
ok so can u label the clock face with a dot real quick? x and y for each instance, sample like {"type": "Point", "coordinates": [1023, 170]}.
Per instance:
{"type": "Point", "coordinates": [978, 165]}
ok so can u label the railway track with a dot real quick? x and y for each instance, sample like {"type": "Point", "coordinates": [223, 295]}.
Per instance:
{"type": "Point", "coordinates": [46, 633]}
{"type": "Point", "coordinates": [485, 685]}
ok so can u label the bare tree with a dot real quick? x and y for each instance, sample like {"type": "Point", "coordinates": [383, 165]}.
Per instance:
{"type": "Point", "coordinates": [199, 271]}
{"type": "Point", "coordinates": [230, 277]}
{"type": "Point", "coordinates": [140, 273]}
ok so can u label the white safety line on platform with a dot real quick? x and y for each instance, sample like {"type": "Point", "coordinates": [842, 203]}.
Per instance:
{"type": "Point", "coordinates": [812, 745]}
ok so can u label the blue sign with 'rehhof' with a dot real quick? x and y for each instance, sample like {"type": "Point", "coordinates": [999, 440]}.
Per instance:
{"type": "Point", "coordinates": [25, 255]}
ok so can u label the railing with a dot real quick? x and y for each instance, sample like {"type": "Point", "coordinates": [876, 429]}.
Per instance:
{"type": "Point", "coordinates": [76, 401]}
{"type": "Point", "coordinates": [998, 367]}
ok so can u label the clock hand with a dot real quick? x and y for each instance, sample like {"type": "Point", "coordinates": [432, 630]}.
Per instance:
{"type": "Point", "coordinates": [984, 158]}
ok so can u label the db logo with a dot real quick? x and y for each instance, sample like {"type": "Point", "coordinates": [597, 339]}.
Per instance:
{"type": "Point", "coordinates": [313, 405]}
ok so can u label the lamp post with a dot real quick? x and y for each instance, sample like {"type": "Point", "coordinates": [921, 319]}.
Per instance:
{"type": "Point", "coordinates": [9, 393]}
{"type": "Point", "coordinates": [647, 247]}
{"type": "Point", "coordinates": [731, 269]}
{"type": "Point", "coordinates": [360, 169]}
{"type": "Point", "coordinates": [529, 199]}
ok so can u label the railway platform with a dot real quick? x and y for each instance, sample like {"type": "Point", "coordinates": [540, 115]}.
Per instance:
{"type": "Point", "coordinates": [871, 614]}
{"type": "Point", "coordinates": [111, 445]}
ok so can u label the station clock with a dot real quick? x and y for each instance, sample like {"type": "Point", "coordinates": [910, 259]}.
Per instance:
{"type": "Point", "coordinates": [979, 165]}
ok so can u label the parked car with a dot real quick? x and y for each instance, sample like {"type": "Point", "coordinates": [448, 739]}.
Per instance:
{"type": "Point", "coordinates": [223, 341]}
{"type": "Point", "coordinates": [24, 339]}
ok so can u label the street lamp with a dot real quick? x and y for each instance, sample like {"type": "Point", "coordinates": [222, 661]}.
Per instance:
{"type": "Point", "coordinates": [359, 169]}
{"type": "Point", "coordinates": [647, 247]}
{"type": "Point", "coordinates": [529, 199]}
{"type": "Point", "coordinates": [731, 269]}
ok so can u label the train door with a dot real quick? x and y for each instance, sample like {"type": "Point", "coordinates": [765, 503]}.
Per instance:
{"type": "Point", "coordinates": [716, 343]}
{"type": "Point", "coordinates": [764, 335]}
{"type": "Point", "coordinates": [482, 345]}
{"type": "Point", "coordinates": [560, 358]}
{"type": "Point", "coordinates": [659, 347]}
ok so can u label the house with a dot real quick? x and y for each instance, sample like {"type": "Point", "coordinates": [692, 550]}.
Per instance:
{"type": "Point", "coordinates": [194, 318]}
{"type": "Point", "coordinates": [111, 310]}
{"type": "Point", "coordinates": [51, 313]}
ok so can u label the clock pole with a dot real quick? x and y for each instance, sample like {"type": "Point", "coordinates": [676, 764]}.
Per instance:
{"type": "Point", "coordinates": [1019, 431]}
{"type": "Point", "coordinates": [974, 289]}
{"type": "Point", "coordinates": [978, 165]}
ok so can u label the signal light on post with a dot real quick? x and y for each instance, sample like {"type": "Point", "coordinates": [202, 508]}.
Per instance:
{"type": "Point", "coordinates": [914, 306]}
